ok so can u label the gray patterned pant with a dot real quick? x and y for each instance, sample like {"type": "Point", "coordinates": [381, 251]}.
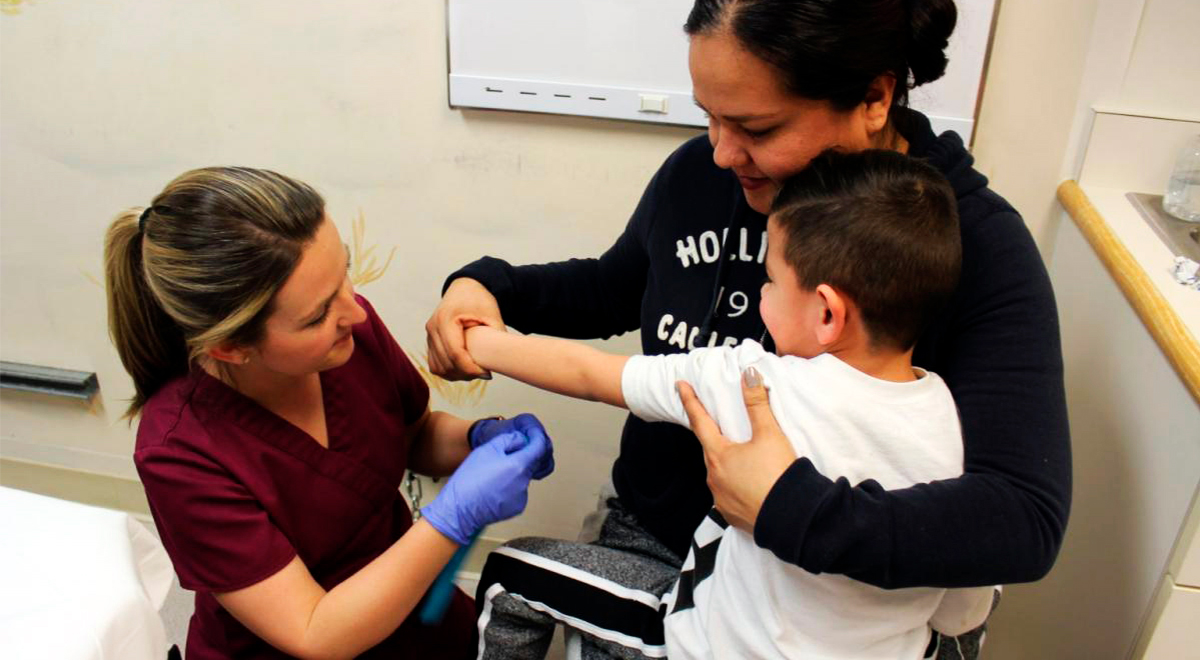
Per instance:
{"type": "Point", "coordinates": [605, 592]}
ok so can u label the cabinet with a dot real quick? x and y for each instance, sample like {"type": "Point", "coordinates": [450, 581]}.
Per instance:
{"type": "Point", "coordinates": [1120, 586]}
{"type": "Point", "coordinates": [1175, 636]}
{"type": "Point", "coordinates": [1172, 629]}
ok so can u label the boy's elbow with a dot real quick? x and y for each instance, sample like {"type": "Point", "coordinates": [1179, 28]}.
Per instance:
{"type": "Point", "coordinates": [601, 392]}
{"type": "Point", "coordinates": [612, 397]}
{"type": "Point", "coordinates": [605, 389]}
{"type": "Point", "coordinates": [600, 379]}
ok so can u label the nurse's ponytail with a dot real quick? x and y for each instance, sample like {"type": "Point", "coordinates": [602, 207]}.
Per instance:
{"type": "Point", "coordinates": [149, 342]}
{"type": "Point", "coordinates": [199, 268]}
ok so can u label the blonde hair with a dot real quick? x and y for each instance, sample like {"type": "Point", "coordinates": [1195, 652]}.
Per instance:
{"type": "Point", "coordinates": [200, 267]}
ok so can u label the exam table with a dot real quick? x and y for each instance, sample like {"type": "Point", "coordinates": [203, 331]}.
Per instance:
{"type": "Point", "coordinates": [79, 582]}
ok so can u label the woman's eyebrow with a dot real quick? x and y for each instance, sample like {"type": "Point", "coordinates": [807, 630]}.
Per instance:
{"type": "Point", "coordinates": [737, 119]}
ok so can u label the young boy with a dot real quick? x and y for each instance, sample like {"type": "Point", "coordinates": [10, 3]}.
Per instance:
{"type": "Point", "coordinates": [862, 249]}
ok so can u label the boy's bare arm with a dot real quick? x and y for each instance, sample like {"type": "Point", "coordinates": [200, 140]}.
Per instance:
{"type": "Point", "coordinates": [557, 365]}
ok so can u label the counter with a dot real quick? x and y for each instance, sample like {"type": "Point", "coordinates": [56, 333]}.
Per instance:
{"type": "Point", "coordinates": [1141, 265]}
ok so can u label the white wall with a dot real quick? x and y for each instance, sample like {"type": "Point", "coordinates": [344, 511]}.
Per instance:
{"type": "Point", "coordinates": [103, 103]}
{"type": "Point", "coordinates": [1030, 98]}
{"type": "Point", "coordinates": [1162, 79]}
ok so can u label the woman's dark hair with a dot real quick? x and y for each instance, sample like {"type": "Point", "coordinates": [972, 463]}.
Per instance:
{"type": "Point", "coordinates": [200, 267]}
{"type": "Point", "coordinates": [833, 49]}
{"type": "Point", "coordinates": [879, 227]}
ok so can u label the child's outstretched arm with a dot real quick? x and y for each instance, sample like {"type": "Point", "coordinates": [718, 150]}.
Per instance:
{"type": "Point", "coordinates": [557, 365]}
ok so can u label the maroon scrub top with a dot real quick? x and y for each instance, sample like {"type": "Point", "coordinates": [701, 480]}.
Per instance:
{"type": "Point", "coordinates": [237, 491]}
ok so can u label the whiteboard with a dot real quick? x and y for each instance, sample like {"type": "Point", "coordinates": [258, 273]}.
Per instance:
{"type": "Point", "coordinates": [627, 59]}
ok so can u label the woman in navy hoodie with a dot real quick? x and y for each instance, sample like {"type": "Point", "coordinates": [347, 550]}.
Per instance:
{"type": "Point", "coordinates": [781, 81]}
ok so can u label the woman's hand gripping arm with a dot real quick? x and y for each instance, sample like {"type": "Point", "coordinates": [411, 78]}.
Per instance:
{"type": "Point", "coordinates": [465, 303]}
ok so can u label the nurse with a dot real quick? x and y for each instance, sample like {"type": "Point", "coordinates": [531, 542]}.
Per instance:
{"type": "Point", "coordinates": [278, 416]}
{"type": "Point", "coordinates": [781, 81]}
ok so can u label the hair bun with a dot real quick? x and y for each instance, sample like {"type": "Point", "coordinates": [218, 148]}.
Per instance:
{"type": "Point", "coordinates": [930, 24]}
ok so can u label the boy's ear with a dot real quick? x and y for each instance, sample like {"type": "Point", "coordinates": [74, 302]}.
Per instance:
{"type": "Point", "coordinates": [833, 315]}
{"type": "Point", "coordinates": [229, 353]}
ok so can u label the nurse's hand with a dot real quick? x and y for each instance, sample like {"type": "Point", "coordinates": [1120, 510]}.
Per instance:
{"type": "Point", "coordinates": [486, 430]}
{"type": "Point", "coordinates": [466, 303]}
{"type": "Point", "coordinates": [491, 485]}
{"type": "Point", "coordinates": [741, 474]}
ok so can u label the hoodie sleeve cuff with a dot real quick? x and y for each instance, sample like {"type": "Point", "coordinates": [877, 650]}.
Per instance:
{"type": "Point", "coordinates": [496, 275]}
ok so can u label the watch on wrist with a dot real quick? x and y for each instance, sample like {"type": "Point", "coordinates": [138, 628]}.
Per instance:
{"type": "Point", "coordinates": [471, 429]}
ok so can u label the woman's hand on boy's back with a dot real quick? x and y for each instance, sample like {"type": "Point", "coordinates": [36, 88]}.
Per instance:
{"type": "Point", "coordinates": [741, 474]}
{"type": "Point", "coordinates": [466, 303]}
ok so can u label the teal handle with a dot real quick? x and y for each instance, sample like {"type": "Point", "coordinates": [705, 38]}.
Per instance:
{"type": "Point", "coordinates": [437, 599]}
{"type": "Point", "coordinates": [442, 589]}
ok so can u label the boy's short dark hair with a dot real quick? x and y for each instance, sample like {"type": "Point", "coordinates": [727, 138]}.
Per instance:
{"type": "Point", "coordinates": [882, 229]}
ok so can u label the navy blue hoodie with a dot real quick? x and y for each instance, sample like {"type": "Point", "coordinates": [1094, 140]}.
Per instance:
{"type": "Point", "coordinates": [687, 272]}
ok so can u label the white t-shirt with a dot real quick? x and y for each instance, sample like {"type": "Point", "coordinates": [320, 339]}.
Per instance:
{"type": "Point", "coordinates": [737, 600]}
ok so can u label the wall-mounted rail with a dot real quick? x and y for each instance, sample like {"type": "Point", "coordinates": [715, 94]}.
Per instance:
{"type": "Point", "coordinates": [48, 380]}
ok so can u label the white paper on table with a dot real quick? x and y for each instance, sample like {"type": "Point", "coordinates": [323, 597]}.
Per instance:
{"type": "Point", "coordinates": [79, 582]}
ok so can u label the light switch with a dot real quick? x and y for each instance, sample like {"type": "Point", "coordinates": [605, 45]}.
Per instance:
{"type": "Point", "coordinates": [656, 103]}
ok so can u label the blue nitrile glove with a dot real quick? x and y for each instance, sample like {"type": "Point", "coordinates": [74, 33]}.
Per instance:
{"type": "Point", "coordinates": [483, 430]}
{"type": "Point", "coordinates": [491, 485]}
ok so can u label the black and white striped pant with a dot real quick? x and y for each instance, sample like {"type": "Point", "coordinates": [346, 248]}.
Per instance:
{"type": "Point", "coordinates": [607, 592]}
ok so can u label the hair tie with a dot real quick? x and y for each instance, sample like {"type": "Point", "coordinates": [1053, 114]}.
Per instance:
{"type": "Point", "coordinates": [142, 220]}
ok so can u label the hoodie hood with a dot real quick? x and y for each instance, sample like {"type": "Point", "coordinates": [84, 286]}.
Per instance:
{"type": "Point", "coordinates": [945, 152]}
